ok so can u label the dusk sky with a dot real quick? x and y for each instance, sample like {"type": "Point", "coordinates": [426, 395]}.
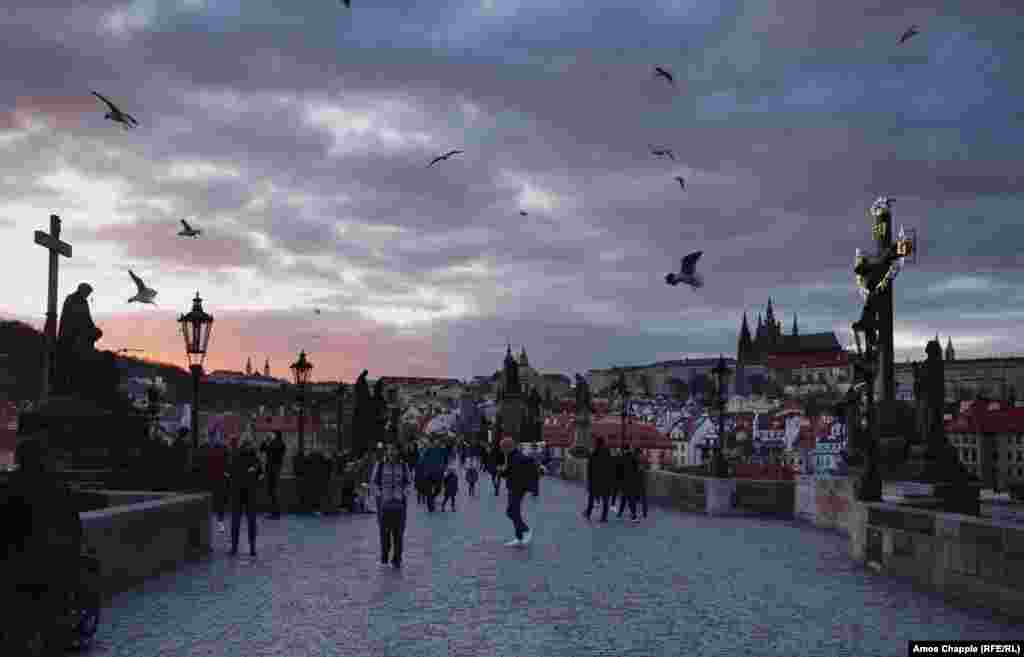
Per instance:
{"type": "Point", "coordinates": [296, 136]}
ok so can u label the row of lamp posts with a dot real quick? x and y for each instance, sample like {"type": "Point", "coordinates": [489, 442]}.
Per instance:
{"type": "Point", "coordinates": [196, 327]}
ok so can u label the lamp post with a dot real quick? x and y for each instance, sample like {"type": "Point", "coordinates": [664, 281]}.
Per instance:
{"type": "Point", "coordinates": [719, 468]}
{"type": "Point", "coordinates": [301, 369]}
{"type": "Point", "coordinates": [195, 328]}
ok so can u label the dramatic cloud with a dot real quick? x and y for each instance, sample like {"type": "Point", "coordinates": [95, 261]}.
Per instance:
{"type": "Point", "coordinates": [297, 138]}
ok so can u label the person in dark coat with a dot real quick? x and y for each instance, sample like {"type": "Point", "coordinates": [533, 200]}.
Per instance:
{"type": "Point", "coordinates": [472, 475]}
{"type": "Point", "coordinates": [630, 482]}
{"type": "Point", "coordinates": [41, 545]}
{"type": "Point", "coordinates": [274, 452]}
{"type": "Point", "coordinates": [600, 475]}
{"type": "Point", "coordinates": [244, 474]}
{"type": "Point", "coordinates": [451, 488]}
{"type": "Point", "coordinates": [496, 463]}
{"type": "Point", "coordinates": [522, 477]}
{"type": "Point", "coordinates": [619, 482]}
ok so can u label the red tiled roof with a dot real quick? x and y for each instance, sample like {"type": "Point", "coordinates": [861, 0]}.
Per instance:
{"type": "Point", "coordinates": [979, 420]}
{"type": "Point", "coordinates": [638, 434]}
{"type": "Point", "coordinates": [796, 361]}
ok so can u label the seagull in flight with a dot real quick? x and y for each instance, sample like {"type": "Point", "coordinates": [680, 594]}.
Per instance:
{"type": "Point", "coordinates": [687, 272]}
{"type": "Point", "coordinates": [660, 72]}
{"type": "Point", "coordinates": [440, 158]}
{"type": "Point", "coordinates": [115, 114]}
{"type": "Point", "coordinates": [189, 231]}
{"type": "Point", "coordinates": [910, 32]}
{"type": "Point", "coordinates": [682, 183]}
{"type": "Point", "coordinates": [145, 294]}
{"type": "Point", "coordinates": [663, 152]}
{"type": "Point", "coordinates": [522, 213]}
{"type": "Point", "coordinates": [316, 310]}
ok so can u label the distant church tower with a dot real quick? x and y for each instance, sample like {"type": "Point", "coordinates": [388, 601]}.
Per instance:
{"type": "Point", "coordinates": [510, 410]}
{"type": "Point", "coordinates": [950, 352]}
{"type": "Point", "coordinates": [266, 368]}
{"type": "Point", "coordinates": [796, 329]}
{"type": "Point", "coordinates": [248, 366]}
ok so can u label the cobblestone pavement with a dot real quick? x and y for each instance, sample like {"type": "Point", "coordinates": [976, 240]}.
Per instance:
{"type": "Point", "coordinates": [675, 584]}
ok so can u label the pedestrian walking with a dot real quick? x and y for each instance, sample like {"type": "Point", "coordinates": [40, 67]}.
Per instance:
{"type": "Point", "coordinates": [521, 476]}
{"type": "Point", "coordinates": [244, 472]}
{"type": "Point", "coordinates": [451, 488]}
{"type": "Point", "coordinates": [641, 490]}
{"type": "Point", "coordinates": [600, 475]}
{"type": "Point", "coordinates": [472, 475]}
{"type": "Point", "coordinates": [629, 483]}
{"type": "Point", "coordinates": [496, 463]}
{"type": "Point", "coordinates": [217, 477]}
{"type": "Point", "coordinates": [391, 479]}
{"type": "Point", "coordinates": [620, 476]}
{"type": "Point", "coordinates": [274, 452]}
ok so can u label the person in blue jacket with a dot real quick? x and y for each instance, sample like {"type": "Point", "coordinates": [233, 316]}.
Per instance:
{"type": "Point", "coordinates": [522, 476]}
{"type": "Point", "coordinates": [433, 472]}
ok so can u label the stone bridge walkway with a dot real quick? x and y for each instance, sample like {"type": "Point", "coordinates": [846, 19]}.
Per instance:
{"type": "Point", "coordinates": [675, 584]}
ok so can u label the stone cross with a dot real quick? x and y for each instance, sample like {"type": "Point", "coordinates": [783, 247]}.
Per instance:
{"type": "Point", "coordinates": [52, 243]}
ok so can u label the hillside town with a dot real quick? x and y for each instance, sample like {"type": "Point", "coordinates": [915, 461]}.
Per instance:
{"type": "Point", "coordinates": [777, 412]}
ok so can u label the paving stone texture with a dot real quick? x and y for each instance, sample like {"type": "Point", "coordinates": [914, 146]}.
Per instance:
{"type": "Point", "coordinates": [675, 584]}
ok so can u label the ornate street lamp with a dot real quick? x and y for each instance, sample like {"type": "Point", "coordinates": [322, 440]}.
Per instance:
{"type": "Point", "coordinates": [301, 369]}
{"type": "Point", "coordinates": [195, 328]}
{"type": "Point", "coordinates": [719, 468]}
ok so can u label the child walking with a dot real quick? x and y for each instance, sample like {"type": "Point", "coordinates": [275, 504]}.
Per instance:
{"type": "Point", "coordinates": [451, 488]}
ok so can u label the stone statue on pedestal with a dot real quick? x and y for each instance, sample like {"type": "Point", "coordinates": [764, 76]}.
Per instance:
{"type": "Point", "coordinates": [76, 339]}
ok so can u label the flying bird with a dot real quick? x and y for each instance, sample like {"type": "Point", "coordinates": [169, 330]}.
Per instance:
{"type": "Point", "coordinates": [347, 3]}
{"type": "Point", "coordinates": [145, 294]}
{"type": "Point", "coordinates": [687, 272]}
{"type": "Point", "coordinates": [317, 311]}
{"type": "Point", "coordinates": [522, 213]}
{"type": "Point", "coordinates": [682, 183]}
{"type": "Point", "coordinates": [911, 31]}
{"type": "Point", "coordinates": [189, 231]}
{"type": "Point", "coordinates": [439, 158]}
{"type": "Point", "coordinates": [115, 114]}
{"type": "Point", "coordinates": [663, 152]}
{"type": "Point", "coordinates": [660, 72]}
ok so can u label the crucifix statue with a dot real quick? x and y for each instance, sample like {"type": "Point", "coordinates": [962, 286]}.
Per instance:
{"type": "Point", "coordinates": [51, 242]}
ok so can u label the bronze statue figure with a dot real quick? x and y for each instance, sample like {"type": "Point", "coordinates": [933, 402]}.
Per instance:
{"type": "Point", "coordinates": [76, 340]}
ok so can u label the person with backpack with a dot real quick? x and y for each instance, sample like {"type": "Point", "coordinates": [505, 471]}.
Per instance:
{"type": "Point", "coordinates": [472, 475]}
{"type": "Point", "coordinates": [244, 475]}
{"type": "Point", "coordinates": [451, 488]}
{"type": "Point", "coordinates": [391, 480]}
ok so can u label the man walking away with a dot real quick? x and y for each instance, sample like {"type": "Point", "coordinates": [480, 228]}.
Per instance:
{"type": "Point", "coordinates": [630, 482]}
{"type": "Point", "coordinates": [521, 477]}
{"type": "Point", "coordinates": [451, 488]}
{"type": "Point", "coordinates": [471, 478]}
{"type": "Point", "coordinates": [618, 489]}
{"type": "Point", "coordinates": [600, 473]}
{"type": "Point", "coordinates": [245, 473]}
{"type": "Point", "coordinates": [391, 479]}
{"type": "Point", "coordinates": [274, 452]}
{"type": "Point", "coordinates": [645, 466]}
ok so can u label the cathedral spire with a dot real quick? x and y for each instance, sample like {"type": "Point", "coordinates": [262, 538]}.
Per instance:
{"type": "Point", "coordinates": [266, 368]}
{"type": "Point", "coordinates": [744, 344]}
{"type": "Point", "coordinates": [950, 352]}
{"type": "Point", "coordinates": [248, 366]}
{"type": "Point", "coordinates": [796, 329]}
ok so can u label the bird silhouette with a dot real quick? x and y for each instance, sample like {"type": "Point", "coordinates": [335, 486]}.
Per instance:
{"type": "Point", "coordinates": [660, 72]}
{"type": "Point", "coordinates": [910, 32]}
{"type": "Point", "coordinates": [144, 294]}
{"type": "Point", "coordinates": [687, 272]}
{"type": "Point", "coordinates": [189, 231]}
{"type": "Point", "coordinates": [115, 114]}
{"type": "Point", "coordinates": [440, 158]}
{"type": "Point", "coordinates": [682, 183]}
{"type": "Point", "coordinates": [347, 3]}
{"type": "Point", "coordinates": [317, 311]}
{"type": "Point", "coordinates": [522, 213]}
{"type": "Point", "coordinates": [663, 152]}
